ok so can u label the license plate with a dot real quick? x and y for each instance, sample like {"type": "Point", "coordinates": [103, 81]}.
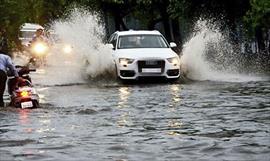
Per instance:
{"type": "Point", "coordinates": [151, 62]}
{"type": "Point", "coordinates": [27, 104]}
{"type": "Point", "coordinates": [151, 70]}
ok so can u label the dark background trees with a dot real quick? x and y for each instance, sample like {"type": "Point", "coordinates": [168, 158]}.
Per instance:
{"type": "Point", "coordinates": [174, 18]}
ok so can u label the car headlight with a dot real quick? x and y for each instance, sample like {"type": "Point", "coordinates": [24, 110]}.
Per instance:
{"type": "Point", "coordinates": [40, 48]}
{"type": "Point", "coordinates": [125, 61]}
{"type": "Point", "coordinates": [67, 49]}
{"type": "Point", "coordinates": [174, 61]}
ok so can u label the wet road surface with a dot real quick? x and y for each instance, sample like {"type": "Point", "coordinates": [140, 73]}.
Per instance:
{"type": "Point", "coordinates": [200, 120]}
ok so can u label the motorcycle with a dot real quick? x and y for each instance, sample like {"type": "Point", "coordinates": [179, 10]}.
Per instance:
{"type": "Point", "coordinates": [38, 51]}
{"type": "Point", "coordinates": [22, 93]}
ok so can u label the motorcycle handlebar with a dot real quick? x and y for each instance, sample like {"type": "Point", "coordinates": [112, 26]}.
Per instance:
{"type": "Point", "coordinates": [24, 69]}
{"type": "Point", "coordinates": [32, 70]}
{"type": "Point", "coordinates": [19, 66]}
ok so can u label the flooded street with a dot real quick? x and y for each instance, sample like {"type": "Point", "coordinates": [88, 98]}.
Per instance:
{"type": "Point", "coordinates": [200, 120]}
{"type": "Point", "coordinates": [219, 114]}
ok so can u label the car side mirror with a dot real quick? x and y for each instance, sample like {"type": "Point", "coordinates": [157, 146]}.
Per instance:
{"type": "Point", "coordinates": [110, 46]}
{"type": "Point", "coordinates": [173, 45]}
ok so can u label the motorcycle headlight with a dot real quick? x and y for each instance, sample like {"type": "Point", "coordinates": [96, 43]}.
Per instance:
{"type": "Point", "coordinates": [174, 61]}
{"type": "Point", "coordinates": [67, 49]}
{"type": "Point", "coordinates": [40, 48]}
{"type": "Point", "coordinates": [125, 61]}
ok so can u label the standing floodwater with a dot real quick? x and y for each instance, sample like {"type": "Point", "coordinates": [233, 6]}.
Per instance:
{"type": "Point", "coordinates": [215, 116]}
{"type": "Point", "coordinates": [194, 121]}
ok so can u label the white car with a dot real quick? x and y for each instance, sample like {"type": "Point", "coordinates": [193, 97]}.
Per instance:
{"type": "Point", "coordinates": [144, 54]}
{"type": "Point", "coordinates": [27, 32]}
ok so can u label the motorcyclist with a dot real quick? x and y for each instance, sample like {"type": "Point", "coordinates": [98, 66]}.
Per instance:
{"type": "Point", "coordinates": [5, 63]}
{"type": "Point", "coordinates": [39, 36]}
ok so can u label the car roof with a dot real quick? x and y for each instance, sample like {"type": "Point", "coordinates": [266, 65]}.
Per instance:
{"type": "Point", "coordinates": [30, 27]}
{"type": "Point", "coordinates": [138, 32]}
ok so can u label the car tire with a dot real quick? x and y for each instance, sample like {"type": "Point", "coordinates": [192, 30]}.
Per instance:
{"type": "Point", "coordinates": [173, 80]}
{"type": "Point", "coordinates": [118, 79]}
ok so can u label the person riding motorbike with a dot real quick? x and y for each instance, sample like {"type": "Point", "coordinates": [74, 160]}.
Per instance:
{"type": "Point", "coordinates": [38, 46]}
{"type": "Point", "coordinates": [39, 36]}
{"type": "Point", "coordinates": [5, 63]}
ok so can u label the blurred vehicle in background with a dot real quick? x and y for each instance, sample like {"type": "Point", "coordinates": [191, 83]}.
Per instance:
{"type": "Point", "coordinates": [27, 32]}
{"type": "Point", "coordinates": [38, 49]}
{"type": "Point", "coordinates": [34, 48]}
{"type": "Point", "coordinates": [59, 44]}
{"type": "Point", "coordinates": [38, 52]}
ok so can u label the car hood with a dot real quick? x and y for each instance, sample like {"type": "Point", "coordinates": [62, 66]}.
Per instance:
{"type": "Point", "coordinates": [145, 53]}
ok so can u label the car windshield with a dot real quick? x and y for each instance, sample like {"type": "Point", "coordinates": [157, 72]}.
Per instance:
{"type": "Point", "coordinates": [141, 41]}
{"type": "Point", "coordinates": [27, 34]}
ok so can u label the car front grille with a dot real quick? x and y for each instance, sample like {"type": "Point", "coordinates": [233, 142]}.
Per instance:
{"type": "Point", "coordinates": [151, 64]}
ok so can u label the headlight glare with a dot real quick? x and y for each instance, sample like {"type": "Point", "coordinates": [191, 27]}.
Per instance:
{"type": "Point", "coordinates": [39, 48]}
{"type": "Point", "coordinates": [67, 49]}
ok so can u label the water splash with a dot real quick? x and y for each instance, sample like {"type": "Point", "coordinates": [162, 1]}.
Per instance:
{"type": "Point", "coordinates": [90, 57]}
{"type": "Point", "coordinates": [208, 55]}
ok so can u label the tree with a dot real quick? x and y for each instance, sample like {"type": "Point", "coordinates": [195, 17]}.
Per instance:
{"type": "Point", "coordinates": [11, 18]}
{"type": "Point", "coordinates": [228, 13]}
{"type": "Point", "coordinates": [118, 9]}
{"type": "Point", "coordinates": [258, 17]}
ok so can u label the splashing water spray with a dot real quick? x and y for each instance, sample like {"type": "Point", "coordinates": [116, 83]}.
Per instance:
{"type": "Point", "coordinates": [208, 55]}
{"type": "Point", "coordinates": [90, 58]}
{"type": "Point", "coordinates": [84, 32]}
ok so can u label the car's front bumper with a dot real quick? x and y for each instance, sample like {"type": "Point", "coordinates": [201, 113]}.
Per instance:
{"type": "Point", "coordinates": [138, 69]}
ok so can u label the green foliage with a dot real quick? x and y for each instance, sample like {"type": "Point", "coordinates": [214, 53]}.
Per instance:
{"type": "Point", "coordinates": [259, 14]}
{"type": "Point", "coordinates": [179, 8]}
{"type": "Point", "coordinates": [11, 19]}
